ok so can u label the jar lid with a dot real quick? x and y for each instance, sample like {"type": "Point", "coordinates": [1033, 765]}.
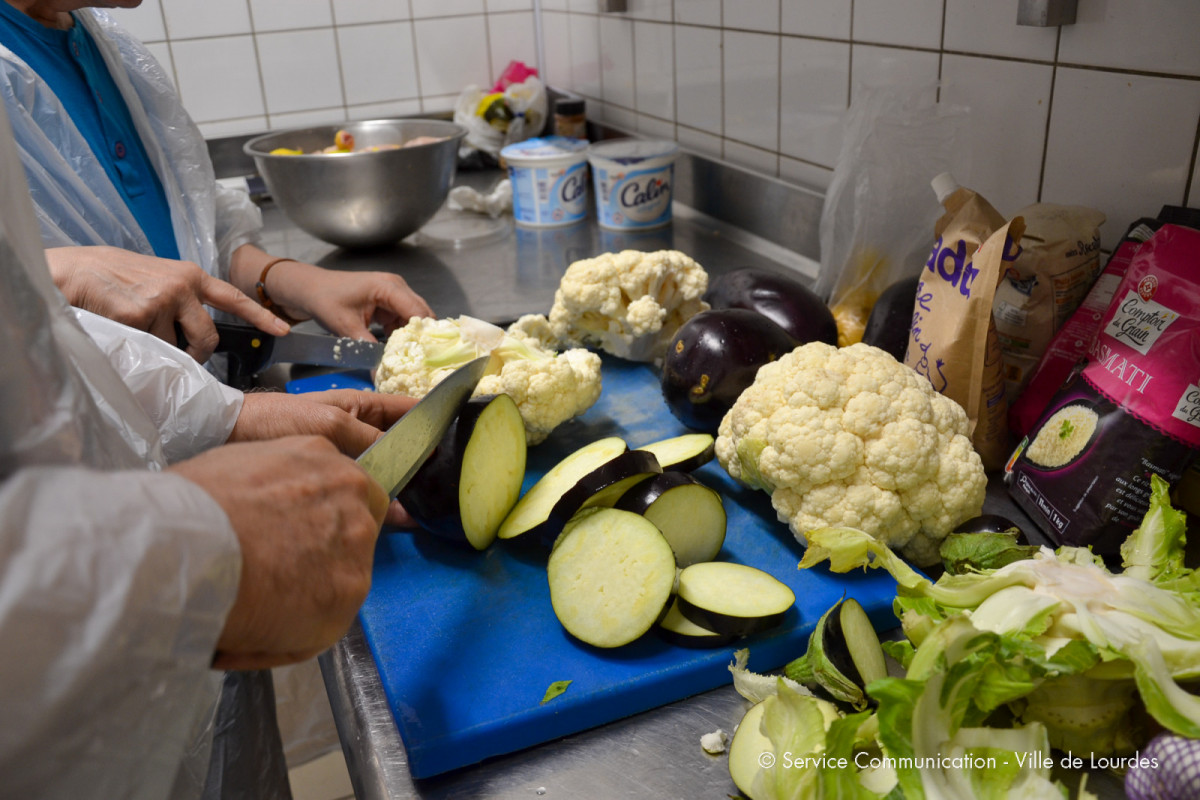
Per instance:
{"type": "Point", "coordinates": [632, 151]}
{"type": "Point", "coordinates": [544, 147]}
{"type": "Point", "coordinates": [569, 106]}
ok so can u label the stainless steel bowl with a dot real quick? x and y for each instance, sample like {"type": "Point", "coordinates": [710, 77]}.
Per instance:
{"type": "Point", "coordinates": [360, 199]}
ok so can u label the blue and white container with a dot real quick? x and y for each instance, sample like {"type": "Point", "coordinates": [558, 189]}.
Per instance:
{"type": "Point", "coordinates": [549, 180]}
{"type": "Point", "coordinates": [633, 180]}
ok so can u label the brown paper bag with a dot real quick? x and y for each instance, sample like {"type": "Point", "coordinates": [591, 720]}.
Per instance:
{"type": "Point", "coordinates": [953, 338]}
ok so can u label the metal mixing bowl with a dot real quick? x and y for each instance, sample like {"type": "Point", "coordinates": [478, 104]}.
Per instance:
{"type": "Point", "coordinates": [360, 199]}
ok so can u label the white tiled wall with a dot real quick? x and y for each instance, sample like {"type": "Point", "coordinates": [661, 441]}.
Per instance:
{"type": "Point", "coordinates": [1105, 112]}
{"type": "Point", "coordinates": [243, 66]}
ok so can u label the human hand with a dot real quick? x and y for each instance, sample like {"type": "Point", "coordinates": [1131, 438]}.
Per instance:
{"type": "Point", "coordinates": [307, 518]}
{"type": "Point", "coordinates": [349, 418]}
{"type": "Point", "coordinates": [152, 294]}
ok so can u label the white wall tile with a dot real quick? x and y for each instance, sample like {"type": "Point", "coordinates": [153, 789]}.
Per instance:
{"type": "Point", "coordinates": [1152, 35]}
{"type": "Point", "coordinates": [218, 78]}
{"type": "Point", "coordinates": [616, 60]}
{"type": "Point", "coordinates": [452, 54]}
{"type": "Point", "coordinates": [309, 118]}
{"type": "Point", "coordinates": [827, 18]}
{"type": "Point", "coordinates": [654, 10]}
{"type": "Point", "coordinates": [582, 6]}
{"type": "Point", "coordinates": [699, 142]}
{"type": "Point", "coordinates": [655, 60]}
{"type": "Point", "coordinates": [585, 55]}
{"type": "Point", "coordinates": [554, 5]}
{"type": "Point", "coordinates": [440, 104]}
{"type": "Point", "coordinates": [985, 27]}
{"type": "Point", "coordinates": [187, 19]}
{"type": "Point", "coordinates": [914, 23]}
{"type": "Point", "coordinates": [353, 12]}
{"type": "Point", "coordinates": [622, 118]}
{"type": "Point", "coordinates": [1121, 143]}
{"type": "Point", "coordinates": [286, 15]}
{"type": "Point", "coordinates": [378, 62]}
{"type": "Point", "coordinates": [876, 66]}
{"type": "Point", "coordinates": [145, 22]}
{"type": "Point", "coordinates": [300, 70]}
{"type": "Point", "coordinates": [233, 127]}
{"type": "Point", "coordinates": [751, 69]}
{"type": "Point", "coordinates": [802, 173]}
{"type": "Point", "coordinates": [755, 15]}
{"type": "Point", "coordinates": [698, 78]}
{"type": "Point", "coordinates": [1008, 102]}
{"type": "Point", "coordinates": [162, 54]}
{"type": "Point", "coordinates": [763, 162]}
{"type": "Point", "coordinates": [698, 12]}
{"type": "Point", "coordinates": [511, 39]}
{"type": "Point", "coordinates": [509, 5]}
{"type": "Point", "coordinates": [556, 36]}
{"type": "Point", "coordinates": [445, 8]}
{"type": "Point", "coordinates": [814, 94]}
{"type": "Point", "coordinates": [654, 128]}
{"type": "Point", "coordinates": [395, 108]}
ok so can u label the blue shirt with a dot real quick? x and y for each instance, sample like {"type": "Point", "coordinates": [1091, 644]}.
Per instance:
{"type": "Point", "coordinates": [71, 64]}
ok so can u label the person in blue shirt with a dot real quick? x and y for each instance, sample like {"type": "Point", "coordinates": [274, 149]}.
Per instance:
{"type": "Point", "coordinates": [116, 165]}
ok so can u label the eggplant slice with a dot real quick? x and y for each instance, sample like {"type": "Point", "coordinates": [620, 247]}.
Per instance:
{"type": "Point", "coordinates": [610, 575]}
{"type": "Point", "coordinates": [533, 511]}
{"type": "Point", "coordinates": [690, 515]}
{"type": "Point", "coordinates": [683, 453]}
{"type": "Point", "coordinates": [679, 630]}
{"type": "Point", "coordinates": [473, 478]}
{"type": "Point", "coordinates": [733, 599]}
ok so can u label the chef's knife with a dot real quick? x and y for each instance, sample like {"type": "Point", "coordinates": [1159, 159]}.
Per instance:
{"type": "Point", "coordinates": [251, 351]}
{"type": "Point", "coordinates": [398, 454]}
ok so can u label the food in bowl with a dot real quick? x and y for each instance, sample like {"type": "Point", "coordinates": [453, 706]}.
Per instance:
{"type": "Point", "coordinates": [343, 142]}
{"type": "Point", "coordinates": [1064, 436]}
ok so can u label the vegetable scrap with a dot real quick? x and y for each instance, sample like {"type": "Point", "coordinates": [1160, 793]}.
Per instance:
{"type": "Point", "coordinates": [554, 690]}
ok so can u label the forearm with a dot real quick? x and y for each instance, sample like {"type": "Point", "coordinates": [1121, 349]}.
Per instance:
{"type": "Point", "coordinates": [285, 282]}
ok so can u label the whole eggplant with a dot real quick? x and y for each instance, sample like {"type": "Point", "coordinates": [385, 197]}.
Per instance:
{"type": "Point", "coordinates": [784, 300]}
{"type": "Point", "coordinates": [890, 321]}
{"type": "Point", "coordinates": [712, 358]}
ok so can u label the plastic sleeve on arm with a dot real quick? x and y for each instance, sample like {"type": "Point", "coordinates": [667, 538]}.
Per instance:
{"type": "Point", "coordinates": [192, 410]}
{"type": "Point", "coordinates": [114, 588]}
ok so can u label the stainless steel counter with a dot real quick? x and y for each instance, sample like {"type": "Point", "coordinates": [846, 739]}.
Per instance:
{"type": "Point", "coordinates": [466, 264]}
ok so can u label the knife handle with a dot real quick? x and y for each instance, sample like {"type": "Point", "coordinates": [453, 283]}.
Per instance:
{"type": "Point", "coordinates": [249, 349]}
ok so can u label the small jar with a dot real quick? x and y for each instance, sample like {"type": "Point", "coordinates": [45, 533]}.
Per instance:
{"type": "Point", "coordinates": [569, 118]}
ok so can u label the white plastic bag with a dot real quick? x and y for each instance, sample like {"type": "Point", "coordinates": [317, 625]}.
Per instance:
{"type": "Point", "coordinates": [879, 214]}
{"type": "Point", "coordinates": [527, 101]}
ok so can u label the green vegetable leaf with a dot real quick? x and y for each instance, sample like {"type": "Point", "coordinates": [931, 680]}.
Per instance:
{"type": "Point", "coordinates": [554, 690]}
{"type": "Point", "coordinates": [974, 552]}
{"type": "Point", "coordinates": [1066, 429]}
{"type": "Point", "coordinates": [1154, 550]}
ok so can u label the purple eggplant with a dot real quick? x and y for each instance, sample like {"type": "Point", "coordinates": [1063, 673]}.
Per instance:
{"type": "Point", "coordinates": [712, 358]}
{"type": "Point", "coordinates": [784, 300]}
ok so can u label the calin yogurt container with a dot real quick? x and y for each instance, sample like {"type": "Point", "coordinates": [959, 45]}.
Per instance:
{"type": "Point", "coordinates": [633, 180]}
{"type": "Point", "coordinates": [549, 180]}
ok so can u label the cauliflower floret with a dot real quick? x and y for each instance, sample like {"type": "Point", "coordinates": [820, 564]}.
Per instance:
{"type": "Point", "coordinates": [628, 304]}
{"type": "Point", "coordinates": [548, 388]}
{"type": "Point", "coordinates": [850, 437]}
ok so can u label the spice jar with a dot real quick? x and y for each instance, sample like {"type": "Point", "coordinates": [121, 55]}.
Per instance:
{"type": "Point", "coordinates": [569, 117]}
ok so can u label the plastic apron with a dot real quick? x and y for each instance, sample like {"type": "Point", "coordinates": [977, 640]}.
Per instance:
{"type": "Point", "coordinates": [115, 577]}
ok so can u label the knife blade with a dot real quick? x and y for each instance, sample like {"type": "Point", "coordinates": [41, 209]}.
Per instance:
{"type": "Point", "coordinates": [251, 351]}
{"type": "Point", "coordinates": [396, 456]}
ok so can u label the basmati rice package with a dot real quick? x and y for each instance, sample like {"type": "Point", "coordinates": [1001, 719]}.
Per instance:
{"type": "Point", "coordinates": [1131, 409]}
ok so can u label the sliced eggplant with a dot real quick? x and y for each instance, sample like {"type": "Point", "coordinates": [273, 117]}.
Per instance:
{"type": "Point", "coordinates": [679, 630]}
{"type": "Point", "coordinates": [683, 453]}
{"type": "Point", "coordinates": [733, 599]}
{"type": "Point", "coordinates": [749, 750]}
{"type": "Point", "coordinates": [844, 655]}
{"type": "Point", "coordinates": [690, 515]}
{"type": "Point", "coordinates": [610, 575]}
{"type": "Point", "coordinates": [473, 478]}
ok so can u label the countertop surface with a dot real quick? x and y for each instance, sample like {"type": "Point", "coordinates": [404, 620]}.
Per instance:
{"type": "Point", "coordinates": [464, 263]}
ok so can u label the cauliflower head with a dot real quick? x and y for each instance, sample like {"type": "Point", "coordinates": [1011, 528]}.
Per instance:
{"type": "Point", "coordinates": [628, 304]}
{"type": "Point", "coordinates": [850, 437]}
{"type": "Point", "coordinates": [548, 387]}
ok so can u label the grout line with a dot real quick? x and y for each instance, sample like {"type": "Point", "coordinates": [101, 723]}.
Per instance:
{"type": "Point", "coordinates": [1192, 176]}
{"type": "Point", "coordinates": [1049, 116]}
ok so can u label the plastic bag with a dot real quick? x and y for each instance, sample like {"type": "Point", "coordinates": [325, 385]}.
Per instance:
{"type": "Point", "coordinates": [878, 215]}
{"type": "Point", "coordinates": [497, 118]}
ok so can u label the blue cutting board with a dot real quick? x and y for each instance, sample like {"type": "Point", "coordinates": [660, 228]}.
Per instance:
{"type": "Point", "coordinates": [466, 643]}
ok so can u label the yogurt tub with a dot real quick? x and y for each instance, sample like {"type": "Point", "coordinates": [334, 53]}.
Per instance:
{"type": "Point", "coordinates": [633, 180]}
{"type": "Point", "coordinates": [549, 180]}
